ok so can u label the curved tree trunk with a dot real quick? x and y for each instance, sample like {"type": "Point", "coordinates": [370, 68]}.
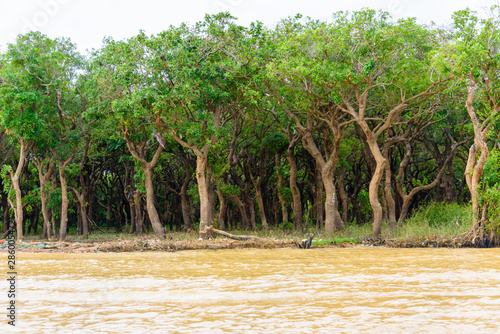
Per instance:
{"type": "Point", "coordinates": [401, 175]}
{"type": "Point", "coordinates": [475, 166]}
{"type": "Point", "coordinates": [375, 183]}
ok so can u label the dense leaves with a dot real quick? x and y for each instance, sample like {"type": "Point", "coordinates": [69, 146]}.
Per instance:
{"type": "Point", "coordinates": [310, 124]}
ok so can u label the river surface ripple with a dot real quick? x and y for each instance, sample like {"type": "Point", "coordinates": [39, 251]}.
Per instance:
{"type": "Point", "coordinates": [349, 290]}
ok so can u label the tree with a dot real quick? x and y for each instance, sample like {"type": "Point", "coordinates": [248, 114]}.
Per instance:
{"type": "Point", "coordinates": [202, 64]}
{"type": "Point", "coordinates": [473, 56]}
{"type": "Point", "coordinates": [126, 91]}
{"type": "Point", "coordinates": [381, 69]}
{"type": "Point", "coordinates": [33, 71]}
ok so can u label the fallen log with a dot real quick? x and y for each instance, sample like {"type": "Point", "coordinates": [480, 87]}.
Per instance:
{"type": "Point", "coordinates": [234, 236]}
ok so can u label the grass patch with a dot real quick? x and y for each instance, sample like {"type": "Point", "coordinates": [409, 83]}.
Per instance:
{"type": "Point", "coordinates": [435, 220]}
{"type": "Point", "coordinates": [337, 241]}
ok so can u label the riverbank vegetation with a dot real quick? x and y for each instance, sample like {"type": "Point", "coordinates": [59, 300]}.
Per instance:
{"type": "Point", "coordinates": [355, 126]}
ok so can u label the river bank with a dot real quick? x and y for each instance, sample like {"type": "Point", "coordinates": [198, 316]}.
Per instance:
{"type": "Point", "coordinates": [178, 242]}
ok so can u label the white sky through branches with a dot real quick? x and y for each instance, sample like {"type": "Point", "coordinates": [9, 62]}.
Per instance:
{"type": "Point", "coordinates": [86, 22]}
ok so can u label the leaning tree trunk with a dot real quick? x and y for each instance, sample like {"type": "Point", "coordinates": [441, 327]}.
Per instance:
{"type": "Point", "coordinates": [150, 204]}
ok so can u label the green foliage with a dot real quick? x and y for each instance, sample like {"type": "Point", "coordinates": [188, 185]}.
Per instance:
{"type": "Point", "coordinates": [490, 189]}
{"type": "Point", "coordinates": [286, 226]}
{"type": "Point", "coordinates": [443, 214]}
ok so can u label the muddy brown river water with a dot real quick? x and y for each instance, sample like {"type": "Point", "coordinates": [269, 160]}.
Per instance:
{"type": "Point", "coordinates": [349, 290]}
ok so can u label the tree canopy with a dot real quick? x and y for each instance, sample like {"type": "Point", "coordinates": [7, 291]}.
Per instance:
{"type": "Point", "coordinates": [309, 124]}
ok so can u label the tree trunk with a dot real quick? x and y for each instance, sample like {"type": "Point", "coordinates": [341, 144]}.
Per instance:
{"type": "Point", "coordinates": [139, 153]}
{"type": "Point", "coordinates": [83, 213]}
{"type": "Point", "coordinates": [241, 207]}
{"type": "Point", "coordinates": [201, 178]}
{"type": "Point", "coordinates": [5, 208]}
{"type": "Point", "coordinates": [281, 185]}
{"type": "Point", "coordinates": [64, 198]}
{"type": "Point", "coordinates": [186, 209]}
{"type": "Point", "coordinates": [448, 183]}
{"type": "Point", "coordinates": [318, 197]}
{"type": "Point", "coordinates": [296, 204]}
{"type": "Point", "coordinates": [251, 210]}
{"type": "Point", "coordinates": [333, 222]}
{"type": "Point", "coordinates": [152, 213]}
{"type": "Point", "coordinates": [139, 213]}
{"type": "Point", "coordinates": [474, 168]}
{"type": "Point", "coordinates": [15, 181]}
{"type": "Point", "coordinates": [343, 195]}
{"type": "Point", "coordinates": [378, 173]}
{"type": "Point", "coordinates": [45, 171]}
{"type": "Point", "coordinates": [260, 203]}
{"type": "Point", "coordinates": [222, 209]}
{"type": "Point", "coordinates": [401, 175]}
{"type": "Point", "coordinates": [391, 204]}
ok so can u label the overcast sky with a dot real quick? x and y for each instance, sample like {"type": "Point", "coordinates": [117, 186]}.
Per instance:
{"type": "Point", "coordinates": [86, 22]}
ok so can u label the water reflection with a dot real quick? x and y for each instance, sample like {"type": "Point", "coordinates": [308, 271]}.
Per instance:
{"type": "Point", "coordinates": [262, 291]}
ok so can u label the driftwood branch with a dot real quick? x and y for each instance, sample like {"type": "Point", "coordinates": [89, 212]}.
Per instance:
{"type": "Point", "coordinates": [233, 236]}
